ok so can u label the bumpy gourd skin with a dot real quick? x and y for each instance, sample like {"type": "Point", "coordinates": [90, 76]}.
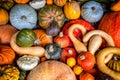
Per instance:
{"type": "Point", "coordinates": [9, 72]}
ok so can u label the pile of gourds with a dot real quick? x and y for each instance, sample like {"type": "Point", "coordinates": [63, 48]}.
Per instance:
{"type": "Point", "coordinates": [59, 39]}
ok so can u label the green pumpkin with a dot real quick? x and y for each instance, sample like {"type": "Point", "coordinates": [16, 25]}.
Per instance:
{"type": "Point", "coordinates": [7, 4]}
{"type": "Point", "coordinates": [53, 51]}
{"type": "Point", "coordinates": [114, 65]}
{"type": "Point", "coordinates": [50, 13]}
{"type": "Point", "coordinates": [25, 38]}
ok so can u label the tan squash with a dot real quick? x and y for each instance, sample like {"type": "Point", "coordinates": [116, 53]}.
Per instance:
{"type": "Point", "coordinates": [51, 70]}
{"type": "Point", "coordinates": [79, 46]}
{"type": "Point", "coordinates": [104, 35]}
{"type": "Point", "coordinates": [34, 50]}
{"type": "Point", "coordinates": [4, 17]}
{"type": "Point", "coordinates": [102, 66]}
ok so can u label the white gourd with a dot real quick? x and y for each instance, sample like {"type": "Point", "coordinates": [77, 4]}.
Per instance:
{"type": "Point", "coordinates": [27, 62]}
{"type": "Point", "coordinates": [37, 4]}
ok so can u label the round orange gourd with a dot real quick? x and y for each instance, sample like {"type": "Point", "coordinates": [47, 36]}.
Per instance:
{"type": "Point", "coordinates": [7, 55]}
{"type": "Point", "coordinates": [42, 38]}
{"type": "Point", "coordinates": [22, 1]}
{"type": "Point", "coordinates": [60, 2]}
{"type": "Point", "coordinates": [4, 17]}
{"type": "Point", "coordinates": [72, 10]}
{"type": "Point", "coordinates": [49, 2]}
{"type": "Point", "coordinates": [86, 76]}
{"type": "Point", "coordinates": [110, 23]}
{"type": "Point", "coordinates": [6, 32]}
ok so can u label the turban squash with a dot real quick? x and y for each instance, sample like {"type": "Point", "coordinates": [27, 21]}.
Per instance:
{"type": "Point", "coordinates": [110, 23]}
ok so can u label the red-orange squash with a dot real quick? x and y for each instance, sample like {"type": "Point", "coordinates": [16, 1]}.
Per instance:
{"type": "Point", "coordinates": [110, 23]}
{"type": "Point", "coordinates": [6, 32]}
{"type": "Point", "coordinates": [7, 55]}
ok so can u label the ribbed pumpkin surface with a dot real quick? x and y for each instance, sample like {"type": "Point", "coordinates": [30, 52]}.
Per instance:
{"type": "Point", "coordinates": [110, 23]}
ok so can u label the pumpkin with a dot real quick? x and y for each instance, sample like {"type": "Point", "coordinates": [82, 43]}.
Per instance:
{"type": "Point", "coordinates": [86, 60]}
{"type": "Point", "coordinates": [21, 1]}
{"type": "Point", "coordinates": [9, 72]}
{"type": "Point", "coordinates": [62, 40]}
{"type": "Point", "coordinates": [60, 2]}
{"type": "Point", "coordinates": [68, 52]}
{"type": "Point", "coordinates": [114, 65]}
{"type": "Point", "coordinates": [53, 51]}
{"type": "Point", "coordinates": [4, 17]}
{"type": "Point", "coordinates": [92, 11]}
{"type": "Point", "coordinates": [111, 25]}
{"type": "Point", "coordinates": [52, 70]}
{"type": "Point", "coordinates": [25, 38]}
{"type": "Point", "coordinates": [7, 55]}
{"type": "Point", "coordinates": [33, 50]}
{"type": "Point", "coordinates": [7, 4]}
{"type": "Point", "coordinates": [42, 39]}
{"type": "Point", "coordinates": [27, 62]}
{"type": "Point", "coordinates": [50, 13]}
{"type": "Point", "coordinates": [6, 32]}
{"type": "Point", "coordinates": [37, 4]}
{"type": "Point", "coordinates": [102, 66]}
{"type": "Point", "coordinates": [49, 2]}
{"type": "Point", "coordinates": [115, 5]}
{"type": "Point", "coordinates": [23, 16]}
{"type": "Point", "coordinates": [86, 76]}
{"type": "Point", "coordinates": [53, 29]}
{"type": "Point", "coordinates": [72, 10]}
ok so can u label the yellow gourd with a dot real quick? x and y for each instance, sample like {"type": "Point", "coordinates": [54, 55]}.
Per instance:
{"type": "Point", "coordinates": [72, 10]}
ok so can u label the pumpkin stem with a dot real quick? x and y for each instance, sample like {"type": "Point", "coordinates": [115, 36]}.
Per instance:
{"type": "Point", "coordinates": [70, 52]}
{"type": "Point", "coordinates": [23, 17]}
{"type": "Point", "coordinates": [93, 8]}
{"type": "Point", "coordinates": [51, 49]}
{"type": "Point", "coordinates": [37, 41]}
{"type": "Point", "coordinates": [82, 57]}
{"type": "Point", "coordinates": [61, 34]}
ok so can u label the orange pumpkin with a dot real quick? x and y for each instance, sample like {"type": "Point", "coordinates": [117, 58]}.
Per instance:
{"type": "Point", "coordinates": [49, 2]}
{"type": "Point", "coordinates": [21, 1]}
{"type": "Point", "coordinates": [42, 38]}
{"type": "Point", "coordinates": [110, 23]}
{"type": "Point", "coordinates": [86, 76]}
{"type": "Point", "coordinates": [60, 2]}
{"type": "Point", "coordinates": [6, 32]}
{"type": "Point", "coordinates": [7, 55]}
{"type": "Point", "coordinates": [4, 17]}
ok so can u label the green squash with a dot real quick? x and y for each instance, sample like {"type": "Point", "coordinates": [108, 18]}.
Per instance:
{"type": "Point", "coordinates": [53, 51]}
{"type": "Point", "coordinates": [50, 13]}
{"type": "Point", "coordinates": [25, 38]}
{"type": "Point", "coordinates": [22, 75]}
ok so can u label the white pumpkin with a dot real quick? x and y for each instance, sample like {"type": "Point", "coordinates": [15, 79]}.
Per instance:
{"type": "Point", "coordinates": [37, 4]}
{"type": "Point", "coordinates": [23, 16]}
{"type": "Point", "coordinates": [92, 11]}
{"type": "Point", "coordinates": [27, 62]}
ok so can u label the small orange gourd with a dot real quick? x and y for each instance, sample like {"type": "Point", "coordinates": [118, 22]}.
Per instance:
{"type": "Point", "coordinates": [60, 2]}
{"type": "Point", "coordinates": [4, 17]}
{"type": "Point", "coordinates": [7, 55]}
{"type": "Point", "coordinates": [115, 6]}
{"type": "Point", "coordinates": [42, 38]}
{"type": "Point", "coordinates": [49, 2]}
{"type": "Point", "coordinates": [22, 1]}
